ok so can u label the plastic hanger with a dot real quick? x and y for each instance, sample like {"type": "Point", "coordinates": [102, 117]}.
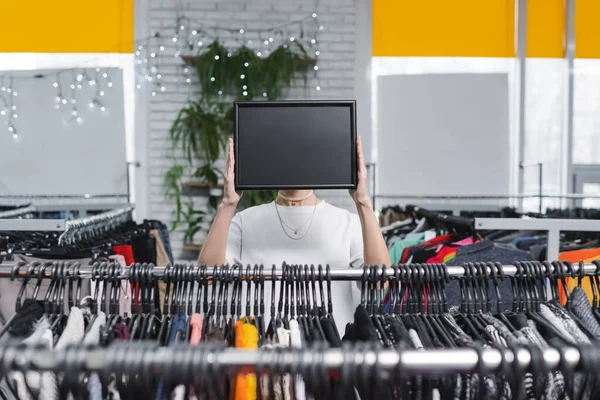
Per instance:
{"type": "Point", "coordinates": [162, 336]}
{"type": "Point", "coordinates": [219, 279]}
{"type": "Point", "coordinates": [306, 323]}
{"type": "Point", "coordinates": [562, 268]}
{"type": "Point", "coordinates": [261, 308]}
{"type": "Point", "coordinates": [286, 302]}
{"type": "Point", "coordinates": [270, 332]}
{"type": "Point", "coordinates": [430, 275]}
{"type": "Point", "coordinates": [13, 274]}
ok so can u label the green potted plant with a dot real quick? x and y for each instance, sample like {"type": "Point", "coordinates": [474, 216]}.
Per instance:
{"type": "Point", "coordinates": [203, 125]}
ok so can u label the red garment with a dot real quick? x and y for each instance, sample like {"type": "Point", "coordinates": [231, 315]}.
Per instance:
{"type": "Point", "coordinates": [126, 251]}
{"type": "Point", "coordinates": [449, 238]}
{"type": "Point", "coordinates": [442, 254]}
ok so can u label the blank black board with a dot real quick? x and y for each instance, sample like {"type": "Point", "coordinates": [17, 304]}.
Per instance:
{"type": "Point", "coordinates": [295, 144]}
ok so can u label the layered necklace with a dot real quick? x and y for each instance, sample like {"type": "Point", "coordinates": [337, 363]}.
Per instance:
{"type": "Point", "coordinates": [295, 200]}
{"type": "Point", "coordinates": [294, 235]}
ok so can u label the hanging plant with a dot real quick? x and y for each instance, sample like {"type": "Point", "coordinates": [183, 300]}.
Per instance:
{"type": "Point", "coordinates": [203, 125]}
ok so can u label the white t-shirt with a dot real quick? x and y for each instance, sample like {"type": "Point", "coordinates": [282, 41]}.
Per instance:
{"type": "Point", "coordinates": [256, 236]}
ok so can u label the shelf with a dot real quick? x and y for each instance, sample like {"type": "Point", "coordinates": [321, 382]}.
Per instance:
{"type": "Point", "coordinates": [303, 61]}
{"type": "Point", "coordinates": [201, 185]}
{"type": "Point", "coordinates": [192, 247]}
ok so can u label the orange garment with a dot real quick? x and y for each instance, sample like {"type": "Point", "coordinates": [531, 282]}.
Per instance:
{"type": "Point", "coordinates": [587, 256]}
{"type": "Point", "coordinates": [244, 385]}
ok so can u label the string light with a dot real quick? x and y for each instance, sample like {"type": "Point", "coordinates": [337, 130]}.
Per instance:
{"type": "Point", "coordinates": [12, 108]}
{"type": "Point", "coordinates": [74, 112]}
{"type": "Point", "coordinates": [59, 97]}
{"type": "Point", "coordinates": [96, 102]}
{"type": "Point", "coordinates": [148, 59]}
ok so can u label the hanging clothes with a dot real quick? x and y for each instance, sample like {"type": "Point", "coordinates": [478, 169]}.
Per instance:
{"type": "Point", "coordinates": [244, 385]}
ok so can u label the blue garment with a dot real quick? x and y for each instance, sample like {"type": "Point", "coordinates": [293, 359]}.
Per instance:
{"type": "Point", "coordinates": [163, 233]}
{"type": "Point", "coordinates": [486, 251]}
{"type": "Point", "coordinates": [178, 325]}
{"type": "Point", "coordinates": [525, 243]}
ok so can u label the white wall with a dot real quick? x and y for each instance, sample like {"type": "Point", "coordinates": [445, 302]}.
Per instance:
{"type": "Point", "coordinates": [443, 135]}
{"type": "Point", "coordinates": [336, 75]}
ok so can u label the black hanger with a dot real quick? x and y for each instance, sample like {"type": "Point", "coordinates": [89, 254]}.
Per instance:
{"type": "Point", "coordinates": [135, 300]}
{"type": "Point", "coordinates": [248, 295]}
{"type": "Point", "coordinates": [162, 336]}
{"type": "Point", "coordinates": [322, 308]}
{"type": "Point", "coordinates": [199, 285]}
{"type": "Point", "coordinates": [255, 305]}
{"type": "Point", "coordinates": [304, 322]}
{"type": "Point", "coordinates": [564, 268]}
{"type": "Point", "coordinates": [141, 283]}
{"type": "Point", "coordinates": [532, 313]}
{"type": "Point", "coordinates": [190, 278]}
{"type": "Point", "coordinates": [228, 280]}
{"type": "Point", "coordinates": [286, 293]}
{"type": "Point", "coordinates": [374, 280]}
{"type": "Point", "coordinates": [240, 282]}
{"type": "Point", "coordinates": [431, 277]}
{"type": "Point", "coordinates": [13, 274]}
{"type": "Point", "coordinates": [594, 283]}
{"type": "Point", "coordinates": [330, 301]}
{"type": "Point", "coordinates": [219, 279]}
{"type": "Point", "coordinates": [261, 308]}
{"type": "Point", "coordinates": [469, 321]}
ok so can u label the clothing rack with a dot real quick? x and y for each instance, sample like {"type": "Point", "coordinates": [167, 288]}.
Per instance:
{"type": "Point", "coordinates": [175, 360]}
{"type": "Point", "coordinates": [63, 225]}
{"type": "Point", "coordinates": [10, 269]}
{"type": "Point", "coordinates": [111, 218]}
{"type": "Point", "coordinates": [18, 212]}
{"type": "Point", "coordinates": [554, 226]}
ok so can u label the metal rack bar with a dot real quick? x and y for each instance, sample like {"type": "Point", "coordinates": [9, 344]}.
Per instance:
{"type": "Point", "coordinates": [551, 225]}
{"type": "Point", "coordinates": [160, 359]}
{"type": "Point", "coordinates": [488, 197]}
{"type": "Point", "coordinates": [17, 212]}
{"type": "Point", "coordinates": [345, 274]}
{"type": "Point", "coordinates": [60, 225]}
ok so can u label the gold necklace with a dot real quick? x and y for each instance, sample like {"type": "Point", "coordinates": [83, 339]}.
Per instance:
{"type": "Point", "coordinates": [284, 225]}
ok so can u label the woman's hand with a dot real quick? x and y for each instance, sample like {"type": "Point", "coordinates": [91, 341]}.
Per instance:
{"type": "Point", "coordinates": [231, 197]}
{"type": "Point", "coordinates": [360, 195]}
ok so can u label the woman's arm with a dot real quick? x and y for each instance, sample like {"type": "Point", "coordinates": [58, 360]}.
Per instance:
{"type": "Point", "coordinates": [215, 245]}
{"type": "Point", "coordinates": [374, 248]}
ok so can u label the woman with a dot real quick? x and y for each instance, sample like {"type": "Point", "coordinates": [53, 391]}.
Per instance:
{"type": "Point", "coordinates": [298, 228]}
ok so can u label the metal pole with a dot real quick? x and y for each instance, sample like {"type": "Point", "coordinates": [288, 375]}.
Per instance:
{"type": "Point", "coordinates": [185, 358]}
{"type": "Point", "coordinates": [341, 274]}
{"type": "Point", "coordinates": [521, 51]}
{"type": "Point", "coordinates": [541, 184]}
{"type": "Point", "coordinates": [129, 164]}
{"type": "Point", "coordinates": [566, 160]}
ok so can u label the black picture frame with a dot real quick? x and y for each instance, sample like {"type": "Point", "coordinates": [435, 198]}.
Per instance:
{"type": "Point", "coordinates": [351, 104]}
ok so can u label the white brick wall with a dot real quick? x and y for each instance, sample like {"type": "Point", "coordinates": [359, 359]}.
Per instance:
{"type": "Point", "coordinates": [336, 75]}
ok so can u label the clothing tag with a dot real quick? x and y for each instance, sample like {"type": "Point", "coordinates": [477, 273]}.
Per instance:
{"type": "Point", "coordinates": [429, 235]}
